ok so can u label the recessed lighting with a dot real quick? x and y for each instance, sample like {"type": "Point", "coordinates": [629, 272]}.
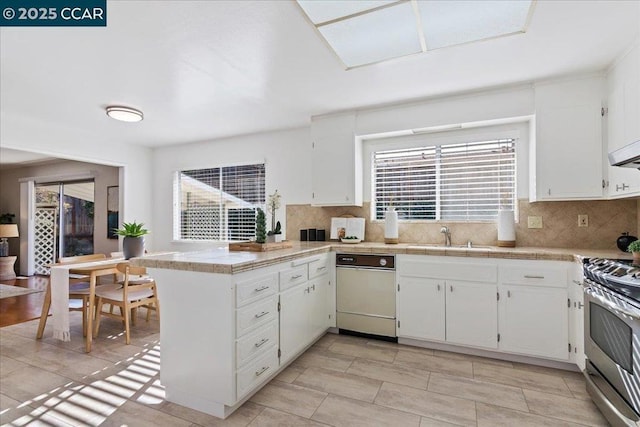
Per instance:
{"type": "Point", "coordinates": [124, 114]}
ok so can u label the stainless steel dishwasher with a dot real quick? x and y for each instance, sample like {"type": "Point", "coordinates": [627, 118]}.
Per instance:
{"type": "Point", "coordinates": [366, 294]}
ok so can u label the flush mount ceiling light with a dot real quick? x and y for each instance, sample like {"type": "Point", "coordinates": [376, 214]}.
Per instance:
{"type": "Point", "coordinates": [124, 114]}
{"type": "Point", "coordinates": [363, 32]}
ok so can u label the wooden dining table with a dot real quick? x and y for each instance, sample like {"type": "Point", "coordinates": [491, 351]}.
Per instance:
{"type": "Point", "coordinates": [58, 293]}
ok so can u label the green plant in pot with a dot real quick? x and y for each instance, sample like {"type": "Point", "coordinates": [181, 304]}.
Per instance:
{"type": "Point", "coordinates": [133, 242]}
{"type": "Point", "coordinates": [275, 235]}
{"type": "Point", "coordinates": [261, 226]}
{"type": "Point", "coordinates": [634, 248]}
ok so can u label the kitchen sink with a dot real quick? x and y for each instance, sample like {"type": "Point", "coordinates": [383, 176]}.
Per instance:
{"type": "Point", "coordinates": [441, 246]}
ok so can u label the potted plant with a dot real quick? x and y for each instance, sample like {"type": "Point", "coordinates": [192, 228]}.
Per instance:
{"type": "Point", "coordinates": [634, 248]}
{"type": "Point", "coordinates": [275, 234]}
{"type": "Point", "coordinates": [133, 242]}
{"type": "Point", "coordinates": [261, 227]}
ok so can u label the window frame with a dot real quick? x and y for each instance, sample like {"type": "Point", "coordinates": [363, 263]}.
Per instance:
{"type": "Point", "coordinates": [177, 198]}
{"type": "Point", "coordinates": [519, 131]}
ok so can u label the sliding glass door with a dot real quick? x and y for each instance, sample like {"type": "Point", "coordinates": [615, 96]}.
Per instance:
{"type": "Point", "coordinates": [64, 221]}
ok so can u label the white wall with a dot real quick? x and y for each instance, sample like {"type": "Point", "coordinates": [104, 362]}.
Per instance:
{"type": "Point", "coordinates": [287, 161]}
{"type": "Point", "coordinates": [287, 153]}
{"type": "Point", "coordinates": [22, 133]}
{"type": "Point", "coordinates": [516, 101]}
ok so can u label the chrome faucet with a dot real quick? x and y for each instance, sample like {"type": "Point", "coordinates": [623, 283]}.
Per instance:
{"type": "Point", "coordinates": [447, 235]}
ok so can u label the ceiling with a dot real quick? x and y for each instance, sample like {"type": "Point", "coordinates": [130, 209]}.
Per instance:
{"type": "Point", "coordinates": [201, 70]}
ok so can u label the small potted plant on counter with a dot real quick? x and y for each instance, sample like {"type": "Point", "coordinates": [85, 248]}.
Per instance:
{"type": "Point", "coordinates": [275, 234]}
{"type": "Point", "coordinates": [634, 248]}
{"type": "Point", "coordinates": [133, 242]}
{"type": "Point", "coordinates": [261, 227]}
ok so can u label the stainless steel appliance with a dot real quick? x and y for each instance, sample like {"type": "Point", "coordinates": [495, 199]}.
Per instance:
{"type": "Point", "coordinates": [627, 156]}
{"type": "Point", "coordinates": [612, 338]}
{"type": "Point", "coordinates": [366, 294]}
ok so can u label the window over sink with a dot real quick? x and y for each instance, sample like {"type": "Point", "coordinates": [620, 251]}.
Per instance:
{"type": "Point", "coordinates": [465, 180]}
{"type": "Point", "coordinates": [218, 203]}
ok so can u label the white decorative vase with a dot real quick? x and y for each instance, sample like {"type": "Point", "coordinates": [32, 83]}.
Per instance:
{"type": "Point", "coordinates": [391, 226]}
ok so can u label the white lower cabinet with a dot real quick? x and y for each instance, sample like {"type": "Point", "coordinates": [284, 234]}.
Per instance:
{"type": "Point", "coordinates": [294, 318]}
{"type": "Point", "coordinates": [533, 321]}
{"type": "Point", "coordinates": [441, 309]}
{"type": "Point", "coordinates": [472, 317]}
{"type": "Point", "coordinates": [421, 304]}
{"type": "Point", "coordinates": [518, 307]}
{"type": "Point", "coordinates": [304, 308]}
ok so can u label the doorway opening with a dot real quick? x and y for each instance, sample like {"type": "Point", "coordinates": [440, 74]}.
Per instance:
{"type": "Point", "coordinates": [64, 221]}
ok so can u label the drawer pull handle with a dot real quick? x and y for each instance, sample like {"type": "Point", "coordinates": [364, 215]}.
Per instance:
{"type": "Point", "coordinates": [263, 288]}
{"type": "Point", "coordinates": [262, 371]}
{"type": "Point", "coordinates": [259, 315]}
{"type": "Point", "coordinates": [261, 343]}
{"type": "Point", "coordinates": [297, 276]}
{"type": "Point", "coordinates": [577, 282]}
{"type": "Point", "coordinates": [531, 276]}
{"type": "Point", "coordinates": [322, 268]}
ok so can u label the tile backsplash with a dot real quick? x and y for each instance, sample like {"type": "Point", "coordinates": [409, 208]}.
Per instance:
{"type": "Point", "coordinates": [607, 220]}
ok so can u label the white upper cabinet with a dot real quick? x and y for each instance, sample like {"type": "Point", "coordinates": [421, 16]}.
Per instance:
{"type": "Point", "coordinates": [623, 120]}
{"type": "Point", "coordinates": [566, 153]}
{"type": "Point", "coordinates": [336, 162]}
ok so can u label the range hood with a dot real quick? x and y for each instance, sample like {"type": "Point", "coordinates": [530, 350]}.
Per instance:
{"type": "Point", "coordinates": [627, 156]}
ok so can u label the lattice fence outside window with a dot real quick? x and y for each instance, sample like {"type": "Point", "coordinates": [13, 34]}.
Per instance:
{"type": "Point", "coordinates": [45, 239]}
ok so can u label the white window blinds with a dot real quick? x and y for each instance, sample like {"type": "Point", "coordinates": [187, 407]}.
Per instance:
{"type": "Point", "coordinates": [219, 203]}
{"type": "Point", "coordinates": [462, 181]}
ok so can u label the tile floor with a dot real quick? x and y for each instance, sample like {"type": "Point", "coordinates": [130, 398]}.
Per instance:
{"type": "Point", "coordinates": [340, 381]}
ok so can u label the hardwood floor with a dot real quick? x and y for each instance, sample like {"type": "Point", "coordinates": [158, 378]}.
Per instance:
{"type": "Point", "coordinates": [24, 307]}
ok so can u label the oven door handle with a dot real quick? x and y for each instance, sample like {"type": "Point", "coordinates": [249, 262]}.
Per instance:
{"type": "Point", "coordinates": [610, 305]}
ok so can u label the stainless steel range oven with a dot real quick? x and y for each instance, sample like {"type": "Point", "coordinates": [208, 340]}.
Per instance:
{"type": "Point", "coordinates": [612, 339]}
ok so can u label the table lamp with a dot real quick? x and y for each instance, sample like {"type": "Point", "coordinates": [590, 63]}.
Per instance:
{"type": "Point", "coordinates": [6, 231]}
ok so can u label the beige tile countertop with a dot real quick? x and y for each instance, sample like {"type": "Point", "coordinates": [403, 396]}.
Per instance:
{"type": "Point", "coordinates": [223, 261]}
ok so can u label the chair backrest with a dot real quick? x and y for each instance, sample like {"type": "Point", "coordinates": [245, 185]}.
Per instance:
{"type": "Point", "coordinates": [127, 269]}
{"type": "Point", "coordinates": [81, 258]}
{"type": "Point", "coordinates": [117, 254]}
{"type": "Point", "coordinates": [136, 284]}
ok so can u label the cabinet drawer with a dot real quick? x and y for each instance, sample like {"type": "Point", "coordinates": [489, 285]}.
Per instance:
{"type": "Point", "coordinates": [533, 274]}
{"type": "Point", "coordinates": [256, 289]}
{"type": "Point", "coordinates": [255, 315]}
{"type": "Point", "coordinates": [256, 372]}
{"type": "Point", "coordinates": [293, 276]}
{"type": "Point", "coordinates": [256, 343]}
{"type": "Point", "coordinates": [318, 267]}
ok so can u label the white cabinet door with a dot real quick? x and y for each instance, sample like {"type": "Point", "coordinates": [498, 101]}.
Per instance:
{"type": "Point", "coordinates": [319, 314]}
{"type": "Point", "coordinates": [472, 313]}
{"type": "Point", "coordinates": [576, 321]}
{"type": "Point", "coordinates": [421, 308]}
{"type": "Point", "coordinates": [623, 123]}
{"type": "Point", "coordinates": [534, 321]}
{"type": "Point", "coordinates": [567, 150]}
{"type": "Point", "coordinates": [336, 162]}
{"type": "Point", "coordinates": [294, 320]}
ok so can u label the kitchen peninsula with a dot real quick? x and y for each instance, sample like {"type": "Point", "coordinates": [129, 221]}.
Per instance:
{"type": "Point", "coordinates": [231, 321]}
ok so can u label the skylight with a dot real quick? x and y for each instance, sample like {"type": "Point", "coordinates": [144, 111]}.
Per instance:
{"type": "Point", "coordinates": [363, 32]}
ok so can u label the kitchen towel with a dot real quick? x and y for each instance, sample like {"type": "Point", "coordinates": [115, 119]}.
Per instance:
{"type": "Point", "coordinates": [506, 228]}
{"type": "Point", "coordinates": [391, 226]}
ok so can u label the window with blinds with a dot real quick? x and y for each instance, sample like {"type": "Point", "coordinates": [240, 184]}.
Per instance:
{"type": "Point", "coordinates": [219, 203]}
{"type": "Point", "coordinates": [461, 181]}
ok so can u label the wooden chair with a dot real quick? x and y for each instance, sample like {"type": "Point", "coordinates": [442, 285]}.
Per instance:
{"type": "Point", "coordinates": [77, 290]}
{"type": "Point", "coordinates": [135, 292]}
